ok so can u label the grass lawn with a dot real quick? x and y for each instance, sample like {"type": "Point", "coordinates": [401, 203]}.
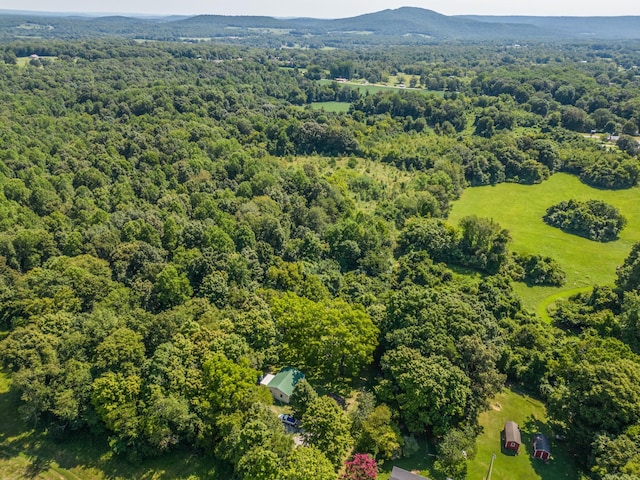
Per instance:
{"type": "Point", "coordinates": [331, 106]}
{"type": "Point", "coordinates": [530, 415]}
{"type": "Point", "coordinates": [421, 461]}
{"type": "Point", "coordinates": [30, 453]}
{"type": "Point", "coordinates": [519, 209]}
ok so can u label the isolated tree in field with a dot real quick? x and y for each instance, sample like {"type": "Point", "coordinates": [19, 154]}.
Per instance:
{"type": "Point", "coordinates": [593, 219]}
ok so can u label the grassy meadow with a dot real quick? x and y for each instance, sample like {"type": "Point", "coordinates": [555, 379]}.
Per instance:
{"type": "Point", "coordinates": [530, 415]}
{"type": "Point", "coordinates": [334, 107]}
{"type": "Point", "coordinates": [519, 209]}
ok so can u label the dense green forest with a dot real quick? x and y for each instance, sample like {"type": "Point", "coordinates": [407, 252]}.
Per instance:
{"type": "Point", "coordinates": [176, 221]}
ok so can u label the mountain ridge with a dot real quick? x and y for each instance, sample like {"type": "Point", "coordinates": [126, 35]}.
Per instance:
{"type": "Point", "coordinates": [420, 23]}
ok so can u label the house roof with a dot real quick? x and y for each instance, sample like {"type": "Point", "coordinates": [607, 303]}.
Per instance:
{"type": "Point", "coordinates": [512, 432]}
{"type": "Point", "coordinates": [400, 474]}
{"type": "Point", "coordinates": [286, 380]}
{"type": "Point", "coordinates": [266, 379]}
{"type": "Point", "coordinates": [541, 443]}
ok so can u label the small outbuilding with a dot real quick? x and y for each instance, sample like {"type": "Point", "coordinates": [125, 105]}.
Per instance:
{"type": "Point", "coordinates": [401, 474]}
{"type": "Point", "coordinates": [283, 383]}
{"type": "Point", "coordinates": [512, 438]}
{"type": "Point", "coordinates": [541, 447]}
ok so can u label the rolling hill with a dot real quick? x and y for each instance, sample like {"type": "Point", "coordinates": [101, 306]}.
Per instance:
{"type": "Point", "coordinates": [406, 22]}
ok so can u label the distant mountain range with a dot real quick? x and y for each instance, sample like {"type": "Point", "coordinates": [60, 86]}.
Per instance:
{"type": "Point", "coordinates": [407, 22]}
{"type": "Point", "coordinates": [625, 27]}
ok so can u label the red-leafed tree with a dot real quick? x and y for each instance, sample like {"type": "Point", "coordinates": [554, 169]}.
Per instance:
{"type": "Point", "coordinates": [362, 467]}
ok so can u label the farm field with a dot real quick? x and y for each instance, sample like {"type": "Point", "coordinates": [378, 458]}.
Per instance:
{"type": "Point", "coordinates": [530, 415]}
{"type": "Point", "coordinates": [519, 209]}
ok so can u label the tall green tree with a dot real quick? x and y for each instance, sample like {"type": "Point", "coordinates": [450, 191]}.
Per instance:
{"type": "Point", "coordinates": [330, 338]}
{"type": "Point", "coordinates": [327, 427]}
{"type": "Point", "coordinates": [429, 392]}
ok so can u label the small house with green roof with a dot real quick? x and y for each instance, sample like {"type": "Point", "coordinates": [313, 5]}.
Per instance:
{"type": "Point", "coordinates": [283, 383]}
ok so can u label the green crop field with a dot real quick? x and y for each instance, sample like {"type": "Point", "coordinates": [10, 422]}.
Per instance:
{"type": "Point", "coordinates": [531, 416]}
{"type": "Point", "coordinates": [519, 209]}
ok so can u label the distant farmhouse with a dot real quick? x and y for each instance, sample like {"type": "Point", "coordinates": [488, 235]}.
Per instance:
{"type": "Point", "coordinates": [283, 383]}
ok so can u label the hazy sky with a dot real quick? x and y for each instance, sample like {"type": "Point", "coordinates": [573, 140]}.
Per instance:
{"type": "Point", "coordinates": [330, 8]}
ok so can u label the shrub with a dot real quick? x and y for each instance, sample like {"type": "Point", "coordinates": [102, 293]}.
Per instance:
{"type": "Point", "coordinates": [537, 270]}
{"type": "Point", "coordinates": [593, 219]}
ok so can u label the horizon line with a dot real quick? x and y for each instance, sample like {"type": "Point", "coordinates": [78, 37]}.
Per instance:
{"type": "Point", "coordinates": [98, 14]}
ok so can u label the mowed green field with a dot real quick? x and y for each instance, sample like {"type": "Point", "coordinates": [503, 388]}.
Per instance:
{"type": "Point", "coordinates": [331, 106]}
{"type": "Point", "coordinates": [520, 208]}
{"type": "Point", "coordinates": [531, 416]}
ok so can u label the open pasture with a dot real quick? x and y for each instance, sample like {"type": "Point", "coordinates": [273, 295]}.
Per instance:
{"type": "Point", "coordinates": [519, 209]}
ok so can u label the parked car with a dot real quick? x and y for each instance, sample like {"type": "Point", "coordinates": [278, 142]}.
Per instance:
{"type": "Point", "coordinates": [288, 419]}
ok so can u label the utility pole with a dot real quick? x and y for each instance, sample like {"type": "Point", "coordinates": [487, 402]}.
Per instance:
{"type": "Point", "coordinates": [493, 457]}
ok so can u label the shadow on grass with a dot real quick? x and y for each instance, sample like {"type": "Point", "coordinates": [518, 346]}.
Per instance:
{"type": "Point", "coordinates": [37, 466]}
{"type": "Point", "coordinates": [562, 465]}
{"type": "Point", "coordinates": [31, 453]}
{"type": "Point", "coordinates": [421, 460]}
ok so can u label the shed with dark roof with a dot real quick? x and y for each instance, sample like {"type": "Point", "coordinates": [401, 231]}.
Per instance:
{"type": "Point", "coordinates": [541, 447]}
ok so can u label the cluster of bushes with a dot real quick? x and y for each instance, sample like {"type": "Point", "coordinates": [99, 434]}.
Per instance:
{"type": "Point", "coordinates": [593, 219]}
{"type": "Point", "coordinates": [537, 270]}
{"type": "Point", "coordinates": [479, 243]}
{"type": "Point", "coordinates": [611, 173]}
